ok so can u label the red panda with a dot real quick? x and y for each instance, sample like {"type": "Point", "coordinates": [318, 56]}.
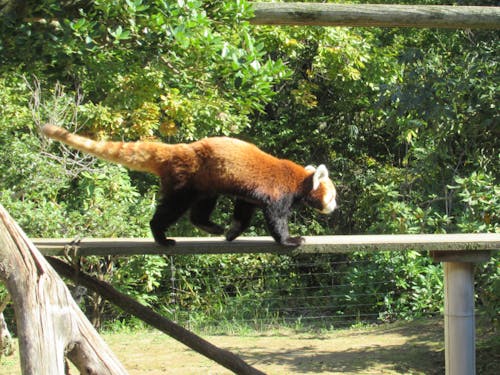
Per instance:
{"type": "Point", "coordinates": [193, 175]}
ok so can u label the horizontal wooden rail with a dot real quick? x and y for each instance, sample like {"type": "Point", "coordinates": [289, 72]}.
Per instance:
{"type": "Point", "coordinates": [381, 15]}
{"type": "Point", "coordinates": [456, 243]}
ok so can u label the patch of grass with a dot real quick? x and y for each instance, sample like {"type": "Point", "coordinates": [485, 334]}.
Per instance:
{"type": "Point", "coordinates": [487, 351]}
{"type": "Point", "coordinates": [415, 347]}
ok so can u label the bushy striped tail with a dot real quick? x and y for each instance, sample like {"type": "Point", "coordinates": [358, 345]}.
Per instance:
{"type": "Point", "coordinates": [140, 156]}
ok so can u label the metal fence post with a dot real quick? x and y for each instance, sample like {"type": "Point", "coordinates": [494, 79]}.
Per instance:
{"type": "Point", "coordinates": [459, 321]}
{"type": "Point", "coordinates": [459, 317]}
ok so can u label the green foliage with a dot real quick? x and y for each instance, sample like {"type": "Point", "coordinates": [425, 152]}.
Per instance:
{"type": "Point", "coordinates": [150, 68]}
{"type": "Point", "coordinates": [487, 288]}
{"type": "Point", "coordinates": [480, 198]}
{"type": "Point", "coordinates": [406, 120]}
{"type": "Point", "coordinates": [416, 284]}
{"type": "Point", "coordinates": [140, 277]}
{"type": "Point", "coordinates": [101, 200]}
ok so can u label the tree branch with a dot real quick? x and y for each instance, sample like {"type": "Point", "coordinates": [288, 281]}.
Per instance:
{"type": "Point", "coordinates": [50, 324]}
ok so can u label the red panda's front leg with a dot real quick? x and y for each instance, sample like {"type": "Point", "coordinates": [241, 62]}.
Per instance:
{"type": "Point", "coordinates": [276, 215]}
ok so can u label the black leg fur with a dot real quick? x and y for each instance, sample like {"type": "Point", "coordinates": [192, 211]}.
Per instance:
{"type": "Point", "coordinates": [276, 216]}
{"type": "Point", "coordinates": [242, 217]}
{"type": "Point", "coordinates": [200, 215]}
{"type": "Point", "coordinates": [168, 211]}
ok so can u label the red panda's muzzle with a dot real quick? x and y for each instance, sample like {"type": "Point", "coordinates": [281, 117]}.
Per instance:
{"type": "Point", "coordinates": [328, 196]}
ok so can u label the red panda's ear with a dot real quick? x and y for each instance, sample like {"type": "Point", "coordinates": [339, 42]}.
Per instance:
{"type": "Point", "coordinates": [310, 168]}
{"type": "Point", "coordinates": [320, 173]}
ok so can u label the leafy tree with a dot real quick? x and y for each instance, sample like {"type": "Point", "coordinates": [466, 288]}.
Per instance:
{"type": "Point", "coordinates": [147, 68]}
{"type": "Point", "coordinates": [406, 120]}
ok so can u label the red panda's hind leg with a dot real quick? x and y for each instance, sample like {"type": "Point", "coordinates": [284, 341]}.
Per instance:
{"type": "Point", "coordinates": [242, 217]}
{"type": "Point", "coordinates": [200, 215]}
{"type": "Point", "coordinates": [168, 211]}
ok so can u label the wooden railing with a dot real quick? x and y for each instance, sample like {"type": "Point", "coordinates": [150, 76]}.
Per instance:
{"type": "Point", "coordinates": [382, 15]}
{"type": "Point", "coordinates": [462, 245]}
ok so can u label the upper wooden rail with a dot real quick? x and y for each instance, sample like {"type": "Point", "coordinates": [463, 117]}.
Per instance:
{"type": "Point", "coordinates": [317, 244]}
{"type": "Point", "coordinates": [381, 15]}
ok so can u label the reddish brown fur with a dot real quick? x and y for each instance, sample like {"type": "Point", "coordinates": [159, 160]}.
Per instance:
{"type": "Point", "coordinates": [226, 164]}
{"type": "Point", "coordinates": [221, 164]}
{"type": "Point", "coordinates": [141, 156]}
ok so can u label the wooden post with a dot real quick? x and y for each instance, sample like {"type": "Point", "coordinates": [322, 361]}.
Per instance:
{"type": "Point", "coordinates": [50, 325]}
{"type": "Point", "coordinates": [382, 15]}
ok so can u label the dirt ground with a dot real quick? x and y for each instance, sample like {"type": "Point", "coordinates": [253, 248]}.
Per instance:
{"type": "Point", "coordinates": [408, 348]}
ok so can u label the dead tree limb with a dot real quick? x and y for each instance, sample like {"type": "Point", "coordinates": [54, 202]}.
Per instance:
{"type": "Point", "coordinates": [221, 356]}
{"type": "Point", "coordinates": [6, 347]}
{"type": "Point", "coordinates": [50, 325]}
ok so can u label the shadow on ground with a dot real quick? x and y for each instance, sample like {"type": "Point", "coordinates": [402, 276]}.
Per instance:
{"type": "Point", "coordinates": [395, 349]}
{"type": "Point", "coordinates": [416, 348]}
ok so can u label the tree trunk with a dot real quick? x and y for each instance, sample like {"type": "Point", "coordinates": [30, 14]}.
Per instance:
{"type": "Point", "coordinates": [50, 324]}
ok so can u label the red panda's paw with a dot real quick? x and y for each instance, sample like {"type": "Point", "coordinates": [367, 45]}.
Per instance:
{"type": "Point", "coordinates": [232, 234]}
{"type": "Point", "coordinates": [165, 242]}
{"type": "Point", "coordinates": [235, 230]}
{"type": "Point", "coordinates": [293, 241]}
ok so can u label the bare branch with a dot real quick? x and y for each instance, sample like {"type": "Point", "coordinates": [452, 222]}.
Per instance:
{"type": "Point", "coordinates": [59, 109]}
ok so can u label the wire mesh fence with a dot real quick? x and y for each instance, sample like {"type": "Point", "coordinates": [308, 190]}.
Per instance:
{"type": "Point", "coordinates": [321, 291]}
{"type": "Point", "coordinates": [228, 292]}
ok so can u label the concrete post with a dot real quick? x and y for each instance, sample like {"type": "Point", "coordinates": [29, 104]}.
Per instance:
{"type": "Point", "coordinates": [459, 321]}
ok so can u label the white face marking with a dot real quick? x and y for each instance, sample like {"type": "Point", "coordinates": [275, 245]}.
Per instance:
{"type": "Point", "coordinates": [329, 200]}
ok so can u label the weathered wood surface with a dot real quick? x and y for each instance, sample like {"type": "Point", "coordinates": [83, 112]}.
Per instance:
{"type": "Point", "coordinates": [382, 15]}
{"type": "Point", "coordinates": [316, 244]}
{"type": "Point", "coordinates": [50, 325]}
{"type": "Point", "coordinates": [223, 357]}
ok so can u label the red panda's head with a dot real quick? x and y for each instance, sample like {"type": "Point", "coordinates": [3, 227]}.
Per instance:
{"type": "Point", "coordinates": [323, 195]}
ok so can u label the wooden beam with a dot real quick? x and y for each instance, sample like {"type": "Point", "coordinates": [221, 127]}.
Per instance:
{"type": "Point", "coordinates": [318, 244]}
{"type": "Point", "coordinates": [381, 15]}
{"type": "Point", "coordinates": [223, 357]}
